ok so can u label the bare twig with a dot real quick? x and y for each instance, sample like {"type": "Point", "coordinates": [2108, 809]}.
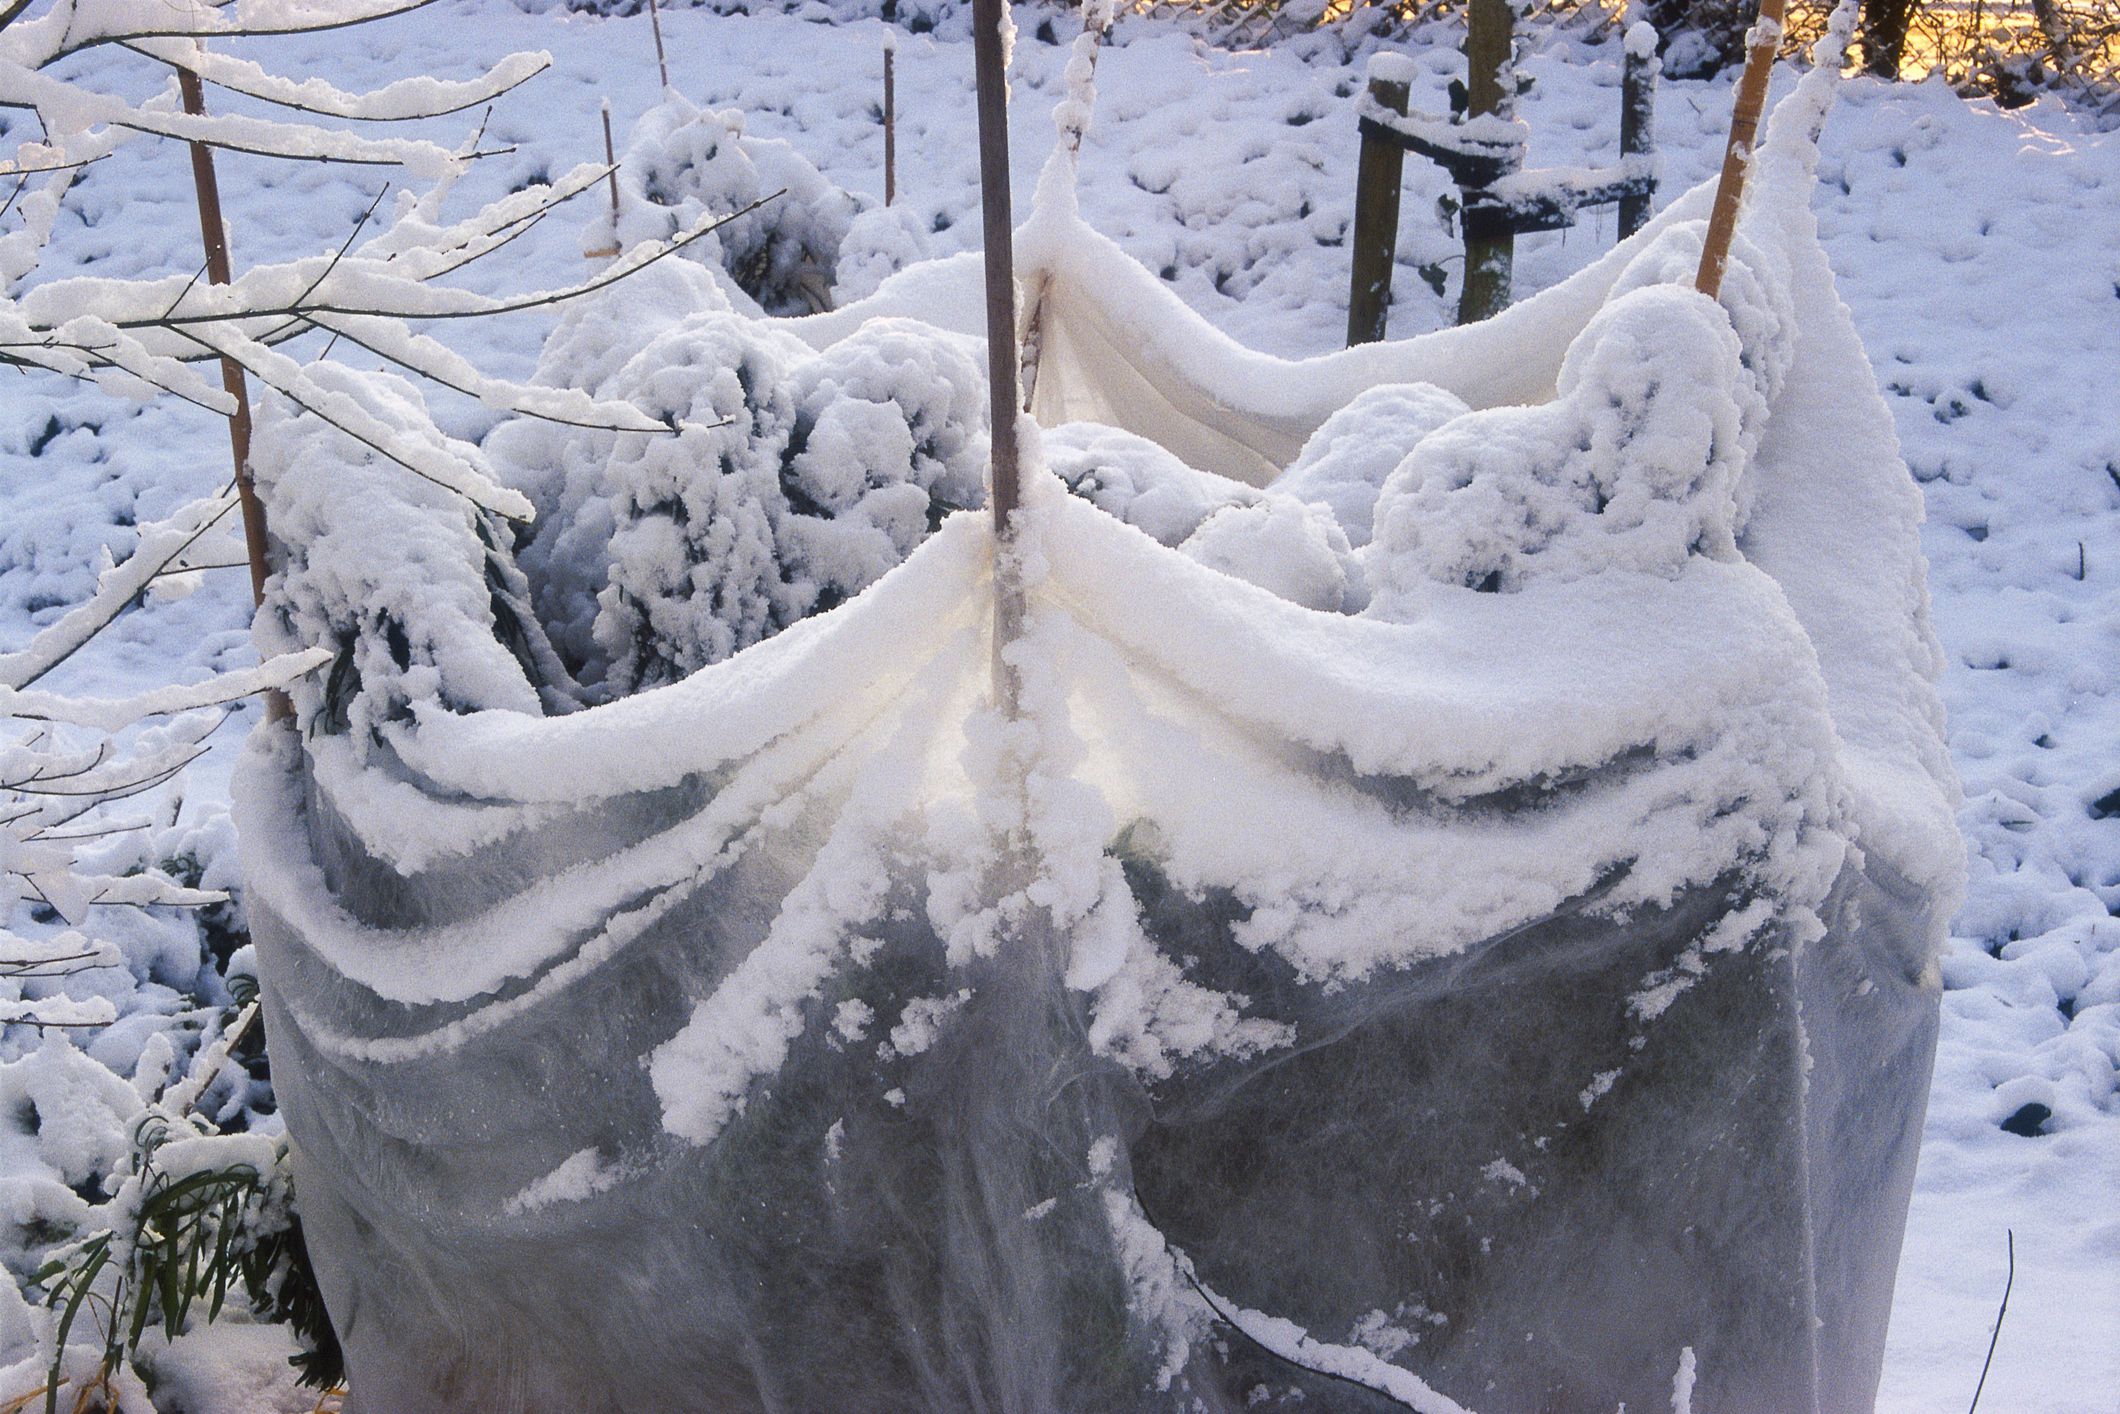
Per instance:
{"type": "Point", "coordinates": [2007, 1282]}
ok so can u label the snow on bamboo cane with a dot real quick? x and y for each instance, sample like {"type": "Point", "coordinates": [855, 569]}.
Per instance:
{"type": "Point", "coordinates": [214, 232]}
{"type": "Point", "coordinates": [989, 54]}
{"type": "Point", "coordinates": [1763, 41]}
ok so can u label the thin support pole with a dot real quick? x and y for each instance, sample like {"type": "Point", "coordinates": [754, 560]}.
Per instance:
{"type": "Point", "coordinates": [611, 175]}
{"type": "Point", "coordinates": [1376, 220]}
{"type": "Point", "coordinates": [890, 119]}
{"type": "Point", "coordinates": [1490, 87]}
{"type": "Point", "coordinates": [662, 64]}
{"type": "Point", "coordinates": [1737, 156]}
{"type": "Point", "coordinates": [214, 232]}
{"type": "Point", "coordinates": [998, 221]}
{"type": "Point", "coordinates": [1637, 110]}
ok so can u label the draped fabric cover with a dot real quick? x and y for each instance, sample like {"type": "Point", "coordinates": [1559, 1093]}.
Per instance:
{"type": "Point", "coordinates": [1503, 1006]}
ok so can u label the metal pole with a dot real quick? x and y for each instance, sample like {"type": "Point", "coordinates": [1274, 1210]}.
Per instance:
{"type": "Point", "coordinates": [1001, 354]}
{"type": "Point", "coordinates": [215, 235]}
{"type": "Point", "coordinates": [1737, 157]}
{"type": "Point", "coordinates": [1378, 174]}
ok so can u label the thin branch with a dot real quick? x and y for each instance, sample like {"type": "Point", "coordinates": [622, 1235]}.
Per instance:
{"type": "Point", "coordinates": [2007, 1282]}
{"type": "Point", "coordinates": [540, 300]}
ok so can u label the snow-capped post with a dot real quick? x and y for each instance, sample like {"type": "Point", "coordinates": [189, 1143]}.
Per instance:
{"type": "Point", "coordinates": [1762, 43]}
{"type": "Point", "coordinates": [662, 64]}
{"type": "Point", "coordinates": [1490, 87]}
{"type": "Point", "coordinates": [990, 61]}
{"type": "Point", "coordinates": [1376, 205]}
{"type": "Point", "coordinates": [1637, 108]}
{"type": "Point", "coordinates": [890, 116]}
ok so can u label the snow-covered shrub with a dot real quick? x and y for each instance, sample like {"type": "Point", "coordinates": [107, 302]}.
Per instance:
{"type": "Point", "coordinates": [1128, 476]}
{"type": "Point", "coordinates": [405, 582]}
{"type": "Point", "coordinates": [1347, 460]}
{"type": "Point", "coordinates": [1634, 465]}
{"type": "Point", "coordinates": [1295, 550]}
{"type": "Point", "coordinates": [684, 163]}
{"type": "Point", "coordinates": [796, 479]}
{"type": "Point", "coordinates": [879, 243]}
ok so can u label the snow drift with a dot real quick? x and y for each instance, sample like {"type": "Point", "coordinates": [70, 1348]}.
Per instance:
{"type": "Point", "coordinates": [1457, 935]}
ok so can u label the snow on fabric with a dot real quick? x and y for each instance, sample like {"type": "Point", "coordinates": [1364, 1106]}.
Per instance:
{"type": "Point", "coordinates": [1161, 1045]}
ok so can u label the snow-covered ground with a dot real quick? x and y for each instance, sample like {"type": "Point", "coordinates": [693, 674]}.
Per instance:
{"type": "Point", "coordinates": [1979, 251]}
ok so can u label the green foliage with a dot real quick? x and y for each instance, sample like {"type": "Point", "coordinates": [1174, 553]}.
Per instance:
{"type": "Point", "coordinates": [189, 1240]}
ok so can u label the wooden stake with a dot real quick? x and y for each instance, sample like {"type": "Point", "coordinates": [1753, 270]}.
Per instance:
{"type": "Point", "coordinates": [214, 233]}
{"type": "Point", "coordinates": [890, 119]}
{"type": "Point", "coordinates": [1490, 86]}
{"type": "Point", "coordinates": [1375, 237]}
{"type": "Point", "coordinates": [1637, 108]}
{"type": "Point", "coordinates": [662, 65]}
{"type": "Point", "coordinates": [1737, 157]}
{"type": "Point", "coordinates": [998, 221]}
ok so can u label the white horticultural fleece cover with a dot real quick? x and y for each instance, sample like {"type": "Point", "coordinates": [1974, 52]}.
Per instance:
{"type": "Point", "coordinates": [1509, 987]}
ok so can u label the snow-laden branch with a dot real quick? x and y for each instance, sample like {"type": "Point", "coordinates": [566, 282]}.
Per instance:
{"type": "Point", "coordinates": [419, 97]}
{"type": "Point", "coordinates": [309, 289]}
{"type": "Point", "coordinates": [71, 26]}
{"type": "Point", "coordinates": [159, 544]}
{"type": "Point", "coordinates": [112, 714]}
{"type": "Point", "coordinates": [68, 110]}
{"type": "Point", "coordinates": [438, 363]}
{"type": "Point", "coordinates": [427, 458]}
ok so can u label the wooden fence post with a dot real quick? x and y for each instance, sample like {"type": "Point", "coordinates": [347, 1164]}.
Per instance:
{"type": "Point", "coordinates": [1490, 87]}
{"type": "Point", "coordinates": [890, 118]}
{"type": "Point", "coordinates": [1637, 108]}
{"type": "Point", "coordinates": [1376, 209]}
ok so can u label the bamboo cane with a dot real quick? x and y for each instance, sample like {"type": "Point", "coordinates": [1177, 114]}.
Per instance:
{"type": "Point", "coordinates": [1737, 156]}
{"type": "Point", "coordinates": [214, 232]}
{"type": "Point", "coordinates": [1001, 353]}
{"type": "Point", "coordinates": [611, 165]}
{"type": "Point", "coordinates": [662, 65]}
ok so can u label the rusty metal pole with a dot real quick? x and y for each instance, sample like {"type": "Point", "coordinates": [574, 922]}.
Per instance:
{"type": "Point", "coordinates": [890, 119]}
{"type": "Point", "coordinates": [1376, 219]}
{"type": "Point", "coordinates": [215, 235]}
{"type": "Point", "coordinates": [1737, 156]}
{"type": "Point", "coordinates": [1001, 354]}
{"type": "Point", "coordinates": [1490, 87]}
